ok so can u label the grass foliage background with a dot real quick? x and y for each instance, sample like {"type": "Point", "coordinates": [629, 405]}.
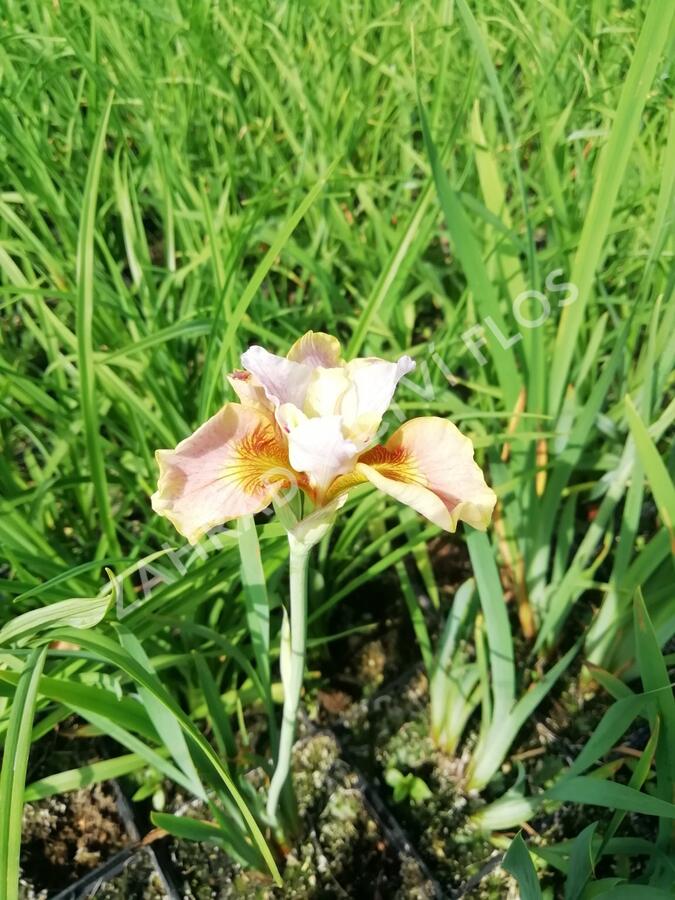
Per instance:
{"type": "Point", "coordinates": [222, 120]}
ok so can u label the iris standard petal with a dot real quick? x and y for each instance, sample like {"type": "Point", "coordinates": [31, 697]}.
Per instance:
{"type": "Point", "coordinates": [283, 380]}
{"type": "Point", "coordinates": [373, 382]}
{"type": "Point", "coordinates": [317, 349]}
{"type": "Point", "coordinates": [326, 391]}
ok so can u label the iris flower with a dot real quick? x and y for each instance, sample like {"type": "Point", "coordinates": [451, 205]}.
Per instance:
{"type": "Point", "coordinates": [310, 421]}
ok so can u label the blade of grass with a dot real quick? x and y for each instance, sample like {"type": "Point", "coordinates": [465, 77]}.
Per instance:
{"type": "Point", "coordinates": [637, 779]}
{"type": "Point", "coordinates": [654, 467]}
{"type": "Point", "coordinates": [493, 604]}
{"type": "Point", "coordinates": [599, 792]}
{"type": "Point", "coordinates": [257, 607]}
{"type": "Point", "coordinates": [654, 675]}
{"type": "Point", "coordinates": [13, 774]}
{"type": "Point", "coordinates": [115, 655]}
{"type": "Point", "coordinates": [469, 254]}
{"type": "Point", "coordinates": [609, 174]}
{"type": "Point", "coordinates": [518, 863]}
{"type": "Point", "coordinates": [483, 53]}
{"type": "Point", "coordinates": [197, 830]}
{"type": "Point", "coordinates": [84, 325]}
{"type": "Point", "coordinates": [84, 776]}
{"type": "Point", "coordinates": [168, 729]}
{"type": "Point", "coordinates": [581, 863]}
{"type": "Point", "coordinates": [220, 722]}
{"type": "Point", "coordinates": [212, 378]}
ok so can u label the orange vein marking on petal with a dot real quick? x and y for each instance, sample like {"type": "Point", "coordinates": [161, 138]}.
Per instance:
{"type": "Point", "coordinates": [397, 464]}
{"type": "Point", "coordinates": [258, 461]}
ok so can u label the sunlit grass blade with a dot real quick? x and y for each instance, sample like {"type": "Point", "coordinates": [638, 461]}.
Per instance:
{"type": "Point", "coordinates": [502, 666]}
{"type": "Point", "coordinates": [120, 718]}
{"type": "Point", "coordinates": [13, 773]}
{"type": "Point", "coordinates": [654, 468]}
{"type": "Point", "coordinates": [165, 722]}
{"type": "Point", "coordinates": [84, 776]}
{"type": "Point", "coordinates": [80, 612]}
{"type": "Point", "coordinates": [486, 62]}
{"type": "Point", "coordinates": [84, 326]}
{"type": "Point", "coordinates": [86, 698]}
{"type": "Point", "coordinates": [257, 609]}
{"type": "Point", "coordinates": [468, 252]}
{"type": "Point", "coordinates": [215, 374]}
{"type": "Point", "coordinates": [114, 654]}
{"type": "Point", "coordinates": [609, 174]}
{"type": "Point", "coordinates": [654, 675]}
{"type": "Point", "coordinates": [611, 794]}
{"type": "Point", "coordinates": [399, 260]}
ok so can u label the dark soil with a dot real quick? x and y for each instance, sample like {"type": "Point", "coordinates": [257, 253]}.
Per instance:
{"type": "Point", "coordinates": [375, 698]}
{"type": "Point", "coordinates": [67, 836]}
{"type": "Point", "coordinates": [138, 879]}
{"type": "Point", "coordinates": [345, 852]}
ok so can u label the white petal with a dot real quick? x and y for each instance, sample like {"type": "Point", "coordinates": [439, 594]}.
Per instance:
{"type": "Point", "coordinates": [249, 391]}
{"type": "Point", "coordinates": [326, 391]}
{"type": "Point", "coordinates": [283, 381]}
{"type": "Point", "coordinates": [289, 417]}
{"type": "Point", "coordinates": [373, 384]}
{"type": "Point", "coordinates": [318, 448]}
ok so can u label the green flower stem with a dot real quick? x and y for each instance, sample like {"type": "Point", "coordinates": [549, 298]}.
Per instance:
{"type": "Point", "coordinates": [293, 678]}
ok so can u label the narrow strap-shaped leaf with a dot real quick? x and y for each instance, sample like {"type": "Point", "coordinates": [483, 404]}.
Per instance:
{"type": "Point", "coordinates": [455, 622]}
{"type": "Point", "coordinates": [468, 252]}
{"type": "Point", "coordinates": [654, 467]}
{"type": "Point", "coordinates": [13, 774]}
{"type": "Point", "coordinates": [637, 779]}
{"type": "Point", "coordinates": [254, 283]}
{"type": "Point", "coordinates": [80, 612]}
{"type": "Point", "coordinates": [497, 626]}
{"type": "Point", "coordinates": [416, 617]}
{"type": "Point", "coordinates": [198, 830]}
{"type": "Point", "coordinates": [115, 655]}
{"type": "Point", "coordinates": [654, 675]}
{"type": "Point", "coordinates": [631, 891]}
{"type": "Point", "coordinates": [162, 718]}
{"type": "Point", "coordinates": [228, 647]}
{"type": "Point", "coordinates": [581, 863]}
{"type": "Point", "coordinates": [598, 792]}
{"type": "Point", "coordinates": [125, 710]}
{"type": "Point", "coordinates": [613, 725]}
{"type": "Point", "coordinates": [84, 327]}
{"type": "Point", "coordinates": [257, 610]}
{"type": "Point", "coordinates": [518, 863]}
{"type": "Point", "coordinates": [91, 773]}
{"type": "Point", "coordinates": [607, 180]}
{"type": "Point", "coordinates": [222, 730]}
